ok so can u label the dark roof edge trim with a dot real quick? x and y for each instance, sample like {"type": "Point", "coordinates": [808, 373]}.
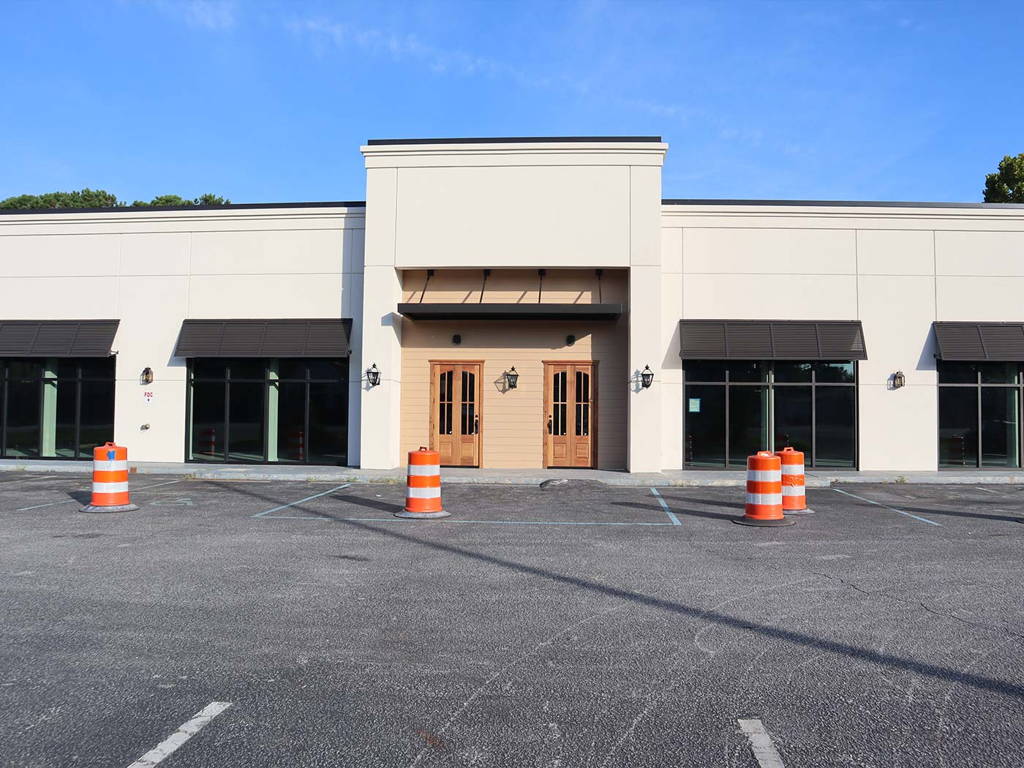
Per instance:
{"type": "Point", "coordinates": [161, 208]}
{"type": "Point", "coordinates": [517, 140]}
{"type": "Point", "coordinates": [840, 203]}
{"type": "Point", "coordinates": [502, 311]}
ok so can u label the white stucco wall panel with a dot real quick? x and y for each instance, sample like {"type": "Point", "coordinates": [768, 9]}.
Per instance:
{"type": "Point", "coordinates": [59, 255]}
{"type": "Point", "coordinates": [460, 217]}
{"type": "Point", "coordinates": [44, 298]}
{"type": "Point", "coordinates": [898, 429]}
{"type": "Point", "coordinates": [895, 252]}
{"type": "Point", "coordinates": [979, 299]}
{"type": "Point", "coordinates": [265, 296]}
{"type": "Point", "coordinates": [308, 251]}
{"type": "Point", "coordinates": [980, 253]}
{"type": "Point", "coordinates": [769, 297]}
{"type": "Point", "coordinates": [153, 253]}
{"type": "Point", "coordinates": [769, 251]}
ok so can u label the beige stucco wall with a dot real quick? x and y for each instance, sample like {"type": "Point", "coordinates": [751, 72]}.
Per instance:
{"type": "Point", "coordinates": [897, 269]}
{"type": "Point", "coordinates": [513, 421]}
{"type": "Point", "coordinates": [511, 206]}
{"type": "Point", "coordinates": [151, 270]}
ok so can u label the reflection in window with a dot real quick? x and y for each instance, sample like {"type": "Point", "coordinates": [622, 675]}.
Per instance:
{"type": "Point", "coordinates": [979, 414]}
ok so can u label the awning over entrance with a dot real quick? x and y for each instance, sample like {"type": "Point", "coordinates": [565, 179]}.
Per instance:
{"type": "Point", "coordinates": [771, 340]}
{"type": "Point", "coordinates": [264, 338]}
{"type": "Point", "coordinates": [976, 342]}
{"type": "Point", "coordinates": [57, 338]}
{"type": "Point", "coordinates": [508, 311]}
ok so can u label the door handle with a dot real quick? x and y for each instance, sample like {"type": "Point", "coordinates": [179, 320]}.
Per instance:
{"type": "Point", "coordinates": [476, 425]}
{"type": "Point", "coordinates": [549, 423]}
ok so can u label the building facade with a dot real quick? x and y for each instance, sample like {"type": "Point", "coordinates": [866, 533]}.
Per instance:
{"type": "Point", "coordinates": [517, 303]}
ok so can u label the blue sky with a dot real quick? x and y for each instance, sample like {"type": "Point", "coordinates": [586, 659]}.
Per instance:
{"type": "Point", "coordinates": [269, 101]}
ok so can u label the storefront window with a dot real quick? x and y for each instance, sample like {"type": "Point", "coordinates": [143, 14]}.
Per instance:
{"type": "Point", "coordinates": [737, 408]}
{"type": "Point", "coordinates": [255, 410]}
{"type": "Point", "coordinates": [979, 415]}
{"type": "Point", "coordinates": [55, 408]}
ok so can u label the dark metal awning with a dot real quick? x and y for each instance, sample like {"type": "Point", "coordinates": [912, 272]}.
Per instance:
{"type": "Point", "coordinates": [264, 338]}
{"type": "Point", "coordinates": [1000, 342]}
{"type": "Point", "coordinates": [57, 338]}
{"type": "Point", "coordinates": [771, 340]}
{"type": "Point", "coordinates": [531, 311]}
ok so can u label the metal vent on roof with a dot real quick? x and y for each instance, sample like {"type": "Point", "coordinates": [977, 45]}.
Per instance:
{"type": "Point", "coordinates": [999, 342]}
{"type": "Point", "coordinates": [264, 338]}
{"type": "Point", "coordinates": [772, 340]}
{"type": "Point", "coordinates": [57, 338]}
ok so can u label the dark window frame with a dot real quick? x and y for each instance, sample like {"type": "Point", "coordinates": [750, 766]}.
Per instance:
{"type": "Point", "coordinates": [978, 385]}
{"type": "Point", "coordinates": [768, 382]}
{"type": "Point", "coordinates": [191, 378]}
{"type": "Point", "coordinates": [41, 380]}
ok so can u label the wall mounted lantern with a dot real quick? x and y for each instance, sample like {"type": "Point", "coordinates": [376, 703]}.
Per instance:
{"type": "Point", "coordinates": [511, 378]}
{"type": "Point", "coordinates": [898, 380]}
{"type": "Point", "coordinates": [646, 377]}
{"type": "Point", "coordinates": [147, 376]}
{"type": "Point", "coordinates": [373, 375]}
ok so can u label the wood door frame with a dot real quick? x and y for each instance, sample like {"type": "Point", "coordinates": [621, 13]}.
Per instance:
{"type": "Point", "coordinates": [594, 411]}
{"type": "Point", "coordinates": [432, 422]}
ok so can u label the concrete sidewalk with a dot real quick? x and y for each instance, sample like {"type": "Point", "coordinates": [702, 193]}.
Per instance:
{"type": "Point", "coordinates": [462, 475]}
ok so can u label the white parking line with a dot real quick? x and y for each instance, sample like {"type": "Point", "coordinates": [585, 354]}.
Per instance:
{"type": "Point", "coordinates": [886, 506]}
{"type": "Point", "coordinates": [180, 736]}
{"type": "Point", "coordinates": [300, 501]}
{"type": "Point", "coordinates": [664, 505]}
{"type": "Point", "coordinates": [72, 501]}
{"type": "Point", "coordinates": [761, 744]}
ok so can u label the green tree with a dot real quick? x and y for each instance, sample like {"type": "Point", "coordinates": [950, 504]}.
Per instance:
{"type": "Point", "coordinates": [82, 198]}
{"type": "Point", "coordinates": [99, 198]}
{"type": "Point", "coordinates": [1006, 185]}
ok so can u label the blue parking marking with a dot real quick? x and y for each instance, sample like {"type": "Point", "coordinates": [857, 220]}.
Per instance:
{"type": "Point", "coordinates": [664, 505]}
{"type": "Point", "coordinates": [300, 501]}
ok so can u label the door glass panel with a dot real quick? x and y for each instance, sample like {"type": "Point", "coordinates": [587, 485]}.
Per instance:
{"type": "Point", "coordinates": [67, 397]}
{"type": "Point", "coordinates": [836, 437]}
{"type": "Point", "coordinates": [958, 426]}
{"type": "Point", "coordinates": [704, 370]}
{"type": "Point", "coordinates": [747, 370]}
{"type": "Point", "coordinates": [291, 422]}
{"type": "Point", "coordinates": [582, 404]}
{"type": "Point", "coordinates": [208, 421]}
{"type": "Point", "coordinates": [957, 373]}
{"type": "Point", "coordinates": [705, 425]}
{"type": "Point", "coordinates": [97, 415]}
{"type": "Point", "coordinates": [833, 373]}
{"type": "Point", "coordinates": [246, 427]}
{"type": "Point", "coordinates": [747, 423]}
{"type": "Point", "coordinates": [998, 373]}
{"type": "Point", "coordinates": [328, 419]}
{"type": "Point", "coordinates": [468, 403]}
{"type": "Point", "coordinates": [559, 402]}
{"type": "Point", "coordinates": [23, 416]}
{"type": "Point", "coordinates": [999, 426]}
{"type": "Point", "coordinates": [793, 419]}
{"type": "Point", "coordinates": [444, 398]}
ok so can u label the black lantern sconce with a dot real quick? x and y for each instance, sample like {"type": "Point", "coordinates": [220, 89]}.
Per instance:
{"type": "Point", "coordinates": [898, 380]}
{"type": "Point", "coordinates": [570, 340]}
{"type": "Point", "coordinates": [511, 378]}
{"type": "Point", "coordinates": [147, 376]}
{"type": "Point", "coordinates": [456, 339]}
{"type": "Point", "coordinates": [373, 375]}
{"type": "Point", "coordinates": [646, 377]}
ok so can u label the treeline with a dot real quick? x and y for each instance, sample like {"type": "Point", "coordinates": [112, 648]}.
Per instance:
{"type": "Point", "coordinates": [100, 198]}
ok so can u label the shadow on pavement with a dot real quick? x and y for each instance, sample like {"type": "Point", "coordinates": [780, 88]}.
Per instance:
{"type": "Point", "coordinates": [702, 614]}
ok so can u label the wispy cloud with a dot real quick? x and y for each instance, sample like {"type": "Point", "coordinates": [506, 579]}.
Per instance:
{"type": "Point", "coordinates": [205, 14]}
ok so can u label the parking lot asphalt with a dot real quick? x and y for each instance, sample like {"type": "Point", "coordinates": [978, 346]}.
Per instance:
{"type": "Point", "coordinates": [579, 625]}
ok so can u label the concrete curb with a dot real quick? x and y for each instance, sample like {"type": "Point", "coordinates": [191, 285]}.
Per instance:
{"type": "Point", "coordinates": [668, 478]}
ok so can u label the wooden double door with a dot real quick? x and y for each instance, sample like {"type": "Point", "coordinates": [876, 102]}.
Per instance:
{"type": "Point", "coordinates": [455, 423]}
{"type": "Point", "coordinates": [570, 413]}
{"type": "Point", "coordinates": [570, 397]}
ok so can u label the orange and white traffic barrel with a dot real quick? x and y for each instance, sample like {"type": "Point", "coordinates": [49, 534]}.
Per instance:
{"type": "Point", "coordinates": [764, 491]}
{"type": "Point", "coordinates": [110, 480]}
{"type": "Point", "coordinates": [423, 486]}
{"type": "Point", "coordinates": [794, 481]}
